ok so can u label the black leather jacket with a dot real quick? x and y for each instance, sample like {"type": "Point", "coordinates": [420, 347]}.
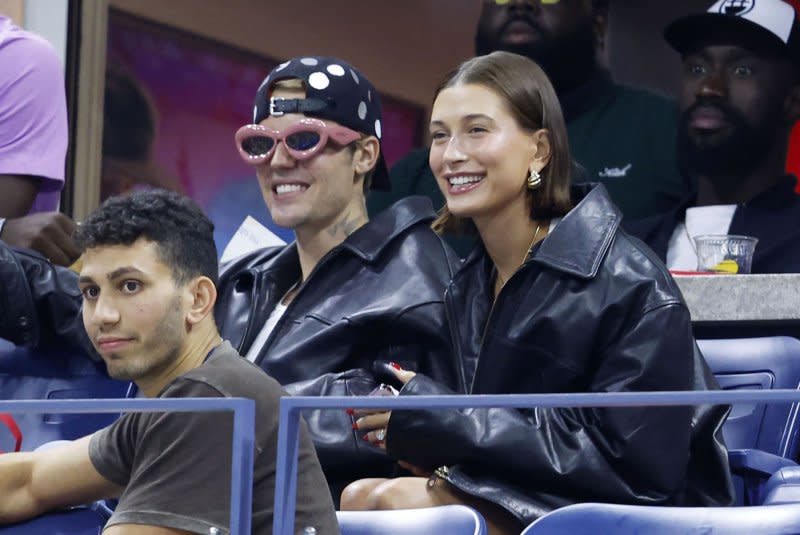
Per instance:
{"type": "Point", "coordinates": [376, 297]}
{"type": "Point", "coordinates": [591, 310]}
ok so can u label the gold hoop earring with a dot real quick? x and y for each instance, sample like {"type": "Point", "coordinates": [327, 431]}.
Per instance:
{"type": "Point", "coordinates": [534, 179]}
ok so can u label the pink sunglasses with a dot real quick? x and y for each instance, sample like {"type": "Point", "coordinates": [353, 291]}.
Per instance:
{"type": "Point", "coordinates": [302, 140]}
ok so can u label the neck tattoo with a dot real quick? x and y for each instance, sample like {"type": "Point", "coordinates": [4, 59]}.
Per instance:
{"type": "Point", "coordinates": [527, 252]}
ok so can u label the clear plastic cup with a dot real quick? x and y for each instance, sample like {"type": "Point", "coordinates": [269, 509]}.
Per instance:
{"type": "Point", "coordinates": [725, 253]}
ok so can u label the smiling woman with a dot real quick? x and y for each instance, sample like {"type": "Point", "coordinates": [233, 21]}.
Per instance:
{"type": "Point", "coordinates": [475, 136]}
{"type": "Point", "coordinates": [556, 298]}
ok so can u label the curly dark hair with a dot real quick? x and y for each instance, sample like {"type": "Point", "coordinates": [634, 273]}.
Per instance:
{"type": "Point", "coordinates": [179, 228]}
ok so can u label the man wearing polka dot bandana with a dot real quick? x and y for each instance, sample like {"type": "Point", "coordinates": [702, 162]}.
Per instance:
{"type": "Point", "coordinates": [325, 314]}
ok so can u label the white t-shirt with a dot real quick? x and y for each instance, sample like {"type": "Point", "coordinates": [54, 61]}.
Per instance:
{"type": "Point", "coordinates": [266, 330]}
{"type": "Point", "coordinates": [699, 220]}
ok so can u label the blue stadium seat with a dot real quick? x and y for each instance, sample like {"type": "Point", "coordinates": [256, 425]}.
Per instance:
{"type": "Point", "coordinates": [783, 486]}
{"type": "Point", "coordinates": [758, 363]}
{"type": "Point", "coordinates": [79, 521]}
{"type": "Point", "coordinates": [29, 374]}
{"type": "Point", "coordinates": [762, 438]}
{"type": "Point", "coordinates": [593, 518]}
{"type": "Point", "coordinates": [444, 520]}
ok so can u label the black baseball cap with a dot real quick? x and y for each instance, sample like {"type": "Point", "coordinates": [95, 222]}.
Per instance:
{"type": "Point", "coordinates": [764, 23]}
{"type": "Point", "coordinates": [335, 90]}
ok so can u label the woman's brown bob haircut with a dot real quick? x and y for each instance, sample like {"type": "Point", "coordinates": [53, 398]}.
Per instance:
{"type": "Point", "coordinates": [532, 101]}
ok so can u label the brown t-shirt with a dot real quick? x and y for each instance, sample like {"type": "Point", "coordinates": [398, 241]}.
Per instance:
{"type": "Point", "coordinates": [176, 466]}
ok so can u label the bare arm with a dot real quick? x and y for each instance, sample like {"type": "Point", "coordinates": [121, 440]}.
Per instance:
{"type": "Point", "coordinates": [32, 483]}
{"type": "Point", "coordinates": [17, 193]}
{"type": "Point", "coordinates": [50, 233]}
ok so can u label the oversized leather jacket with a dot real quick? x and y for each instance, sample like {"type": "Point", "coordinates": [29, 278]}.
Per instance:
{"type": "Point", "coordinates": [590, 310]}
{"type": "Point", "coordinates": [376, 297]}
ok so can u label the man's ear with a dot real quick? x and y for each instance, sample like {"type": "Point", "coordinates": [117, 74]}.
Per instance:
{"type": "Point", "coordinates": [202, 296]}
{"type": "Point", "coordinates": [366, 155]}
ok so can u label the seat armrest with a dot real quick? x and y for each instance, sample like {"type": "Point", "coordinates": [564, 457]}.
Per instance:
{"type": "Point", "coordinates": [752, 462]}
{"type": "Point", "coordinates": [783, 486]}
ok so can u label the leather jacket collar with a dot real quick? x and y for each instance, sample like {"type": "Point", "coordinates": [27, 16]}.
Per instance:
{"type": "Point", "coordinates": [596, 220]}
{"type": "Point", "coordinates": [366, 243]}
{"type": "Point", "coordinates": [370, 240]}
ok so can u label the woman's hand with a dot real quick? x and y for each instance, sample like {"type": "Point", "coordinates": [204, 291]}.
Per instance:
{"type": "Point", "coordinates": [373, 423]}
{"type": "Point", "coordinates": [373, 426]}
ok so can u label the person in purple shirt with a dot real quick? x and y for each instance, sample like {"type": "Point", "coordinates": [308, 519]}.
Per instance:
{"type": "Point", "coordinates": [33, 145]}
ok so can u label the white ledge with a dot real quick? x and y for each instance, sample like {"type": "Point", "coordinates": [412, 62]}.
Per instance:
{"type": "Point", "coordinates": [721, 298]}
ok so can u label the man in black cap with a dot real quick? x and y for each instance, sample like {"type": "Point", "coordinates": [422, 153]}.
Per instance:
{"type": "Point", "coordinates": [620, 136]}
{"type": "Point", "coordinates": [326, 313]}
{"type": "Point", "coordinates": [350, 293]}
{"type": "Point", "coordinates": [739, 99]}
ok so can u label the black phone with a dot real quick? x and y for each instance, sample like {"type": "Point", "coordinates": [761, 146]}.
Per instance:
{"type": "Point", "coordinates": [384, 373]}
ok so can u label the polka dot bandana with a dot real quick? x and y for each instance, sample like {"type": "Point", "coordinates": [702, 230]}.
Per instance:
{"type": "Point", "coordinates": [336, 91]}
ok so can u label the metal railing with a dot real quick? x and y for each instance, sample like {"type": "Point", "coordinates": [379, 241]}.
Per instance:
{"type": "Point", "coordinates": [242, 440]}
{"type": "Point", "coordinates": [292, 407]}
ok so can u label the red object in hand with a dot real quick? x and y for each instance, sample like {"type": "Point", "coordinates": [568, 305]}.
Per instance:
{"type": "Point", "coordinates": [396, 366]}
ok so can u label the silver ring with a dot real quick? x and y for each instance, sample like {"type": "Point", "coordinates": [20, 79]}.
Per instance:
{"type": "Point", "coordinates": [380, 434]}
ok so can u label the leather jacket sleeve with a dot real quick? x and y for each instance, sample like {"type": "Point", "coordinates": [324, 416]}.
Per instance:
{"type": "Point", "coordinates": [342, 452]}
{"type": "Point", "coordinates": [619, 454]}
{"type": "Point", "coordinates": [40, 304]}
{"type": "Point", "coordinates": [340, 449]}
{"type": "Point", "coordinates": [427, 349]}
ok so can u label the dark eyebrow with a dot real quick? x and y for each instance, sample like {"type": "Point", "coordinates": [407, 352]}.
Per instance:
{"type": "Point", "coordinates": [470, 117]}
{"type": "Point", "coordinates": [125, 270]}
{"type": "Point", "coordinates": [473, 116]}
{"type": "Point", "coordinates": [117, 273]}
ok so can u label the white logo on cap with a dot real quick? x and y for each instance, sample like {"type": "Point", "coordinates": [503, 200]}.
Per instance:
{"type": "Point", "coordinates": [775, 16]}
{"type": "Point", "coordinates": [736, 8]}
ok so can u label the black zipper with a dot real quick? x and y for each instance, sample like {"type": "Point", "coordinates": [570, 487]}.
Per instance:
{"type": "Point", "coordinates": [450, 316]}
{"type": "Point", "coordinates": [440, 473]}
{"type": "Point", "coordinates": [489, 318]}
{"type": "Point", "coordinates": [443, 473]}
{"type": "Point", "coordinates": [475, 490]}
{"type": "Point", "coordinates": [485, 330]}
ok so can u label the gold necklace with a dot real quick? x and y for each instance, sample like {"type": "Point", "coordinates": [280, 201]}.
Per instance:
{"type": "Point", "coordinates": [528, 252]}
